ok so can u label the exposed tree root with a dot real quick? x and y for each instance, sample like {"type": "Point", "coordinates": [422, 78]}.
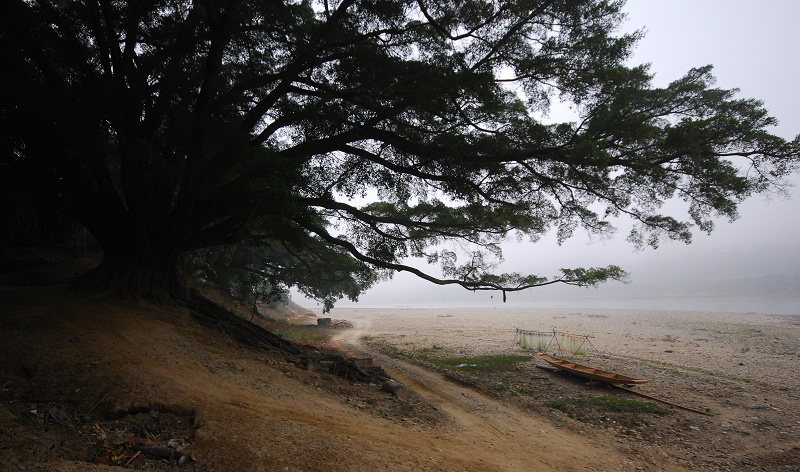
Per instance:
{"type": "Point", "coordinates": [242, 331]}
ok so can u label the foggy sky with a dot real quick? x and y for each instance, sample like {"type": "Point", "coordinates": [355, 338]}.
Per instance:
{"type": "Point", "coordinates": [753, 47]}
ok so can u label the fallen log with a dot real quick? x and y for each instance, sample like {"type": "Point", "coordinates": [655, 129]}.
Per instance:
{"type": "Point", "coordinates": [357, 370]}
{"type": "Point", "coordinates": [132, 458]}
{"type": "Point", "coordinates": [162, 452]}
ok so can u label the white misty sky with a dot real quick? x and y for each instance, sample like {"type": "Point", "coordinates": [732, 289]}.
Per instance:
{"type": "Point", "coordinates": [753, 47]}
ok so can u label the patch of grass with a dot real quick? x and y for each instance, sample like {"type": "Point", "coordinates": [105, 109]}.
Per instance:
{"type": "Point", "coordinates": [298, 333]}
{"type": "Point", "coordinates": [498, 363]}
{"type": "Point", "coordinates": [525, 392]}
{"type": "Point", "coordinates": [591, 410]}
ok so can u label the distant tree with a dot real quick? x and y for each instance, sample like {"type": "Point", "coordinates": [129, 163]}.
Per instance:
{"type": "Point", "coordinates": [165, 126]}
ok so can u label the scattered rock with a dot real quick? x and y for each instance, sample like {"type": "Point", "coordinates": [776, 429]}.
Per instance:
{"type": "Point", "coordinates": [391, 386]}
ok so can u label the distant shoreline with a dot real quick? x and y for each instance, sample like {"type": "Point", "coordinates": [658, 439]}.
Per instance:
{"type": "Point", "coordinates": [696, 304]}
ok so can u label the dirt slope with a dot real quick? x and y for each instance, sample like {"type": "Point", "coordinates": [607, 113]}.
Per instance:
{"type": "Point", "coordinates": [88, 381]}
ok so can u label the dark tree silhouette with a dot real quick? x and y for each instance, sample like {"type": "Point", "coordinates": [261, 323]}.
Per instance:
{"type": "Point", "coordinates": [170, 126]}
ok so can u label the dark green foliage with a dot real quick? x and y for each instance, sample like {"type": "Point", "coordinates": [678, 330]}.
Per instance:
{"type": "Point", "coordinates": [264, 273]}
{"type": "Point", "coordinates": [172, 126]}
{"type": "Point", "coordinates": [598, 409]}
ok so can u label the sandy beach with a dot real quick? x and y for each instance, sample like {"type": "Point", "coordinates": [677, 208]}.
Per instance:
{"type": "Point", "coordinates": [762, 348]}
{"type": "Point", "coordinates": [742, 370]}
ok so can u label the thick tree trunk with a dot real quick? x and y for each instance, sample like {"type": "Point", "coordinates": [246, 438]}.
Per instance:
{"type": "Point", "coordinates": [136, 264]}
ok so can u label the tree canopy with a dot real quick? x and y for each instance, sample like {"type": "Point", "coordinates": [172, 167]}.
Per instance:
{"type": "Point", "coordinates": [168, 126]}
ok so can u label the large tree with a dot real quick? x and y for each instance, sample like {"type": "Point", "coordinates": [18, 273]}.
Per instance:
{"type": "Point", "coordinates": [172, 125]}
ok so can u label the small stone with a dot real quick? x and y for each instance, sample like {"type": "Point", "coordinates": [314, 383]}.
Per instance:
{"type": "Point", "coordinates": [391, 386]}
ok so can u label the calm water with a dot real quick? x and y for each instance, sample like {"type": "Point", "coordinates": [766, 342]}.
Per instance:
{"type": "Point", "coordinates": [772, 307]}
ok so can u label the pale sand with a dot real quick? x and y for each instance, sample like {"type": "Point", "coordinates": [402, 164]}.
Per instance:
{"type": "Point", "coordinates": [761, 348]}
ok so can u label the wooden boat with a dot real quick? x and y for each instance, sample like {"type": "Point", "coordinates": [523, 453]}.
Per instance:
{"type": "Point", "coordinates": [589, 372]}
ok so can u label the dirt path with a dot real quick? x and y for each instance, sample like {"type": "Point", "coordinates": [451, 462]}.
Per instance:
{"type": "Point", "coordinates": [498, 435]}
